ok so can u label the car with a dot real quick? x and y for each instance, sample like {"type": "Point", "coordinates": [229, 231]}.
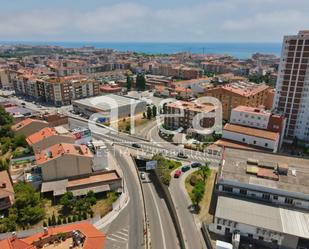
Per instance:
{"type": "Point", "coordinates": [143, 176]}
{"type": "Point", "coordinates": [185, 168]}
{"type": "Point", "coordinates": [136, 146]}
{"type": "Point", "coordinates": [182, 155]}
{"type": "Point", "coordinates": [177, 173]}
{"type": "Point", "coordinates": [196, 165]}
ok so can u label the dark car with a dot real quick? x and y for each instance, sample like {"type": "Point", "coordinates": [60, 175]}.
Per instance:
{"type": "Point", "coordinates": [185, 168]}
{"type": "Point", "coordinates": [181, 155]}
{"type": "Point", "coordinates": [136, 146]}
{"type": "Point", "coordinates": [196, 165]}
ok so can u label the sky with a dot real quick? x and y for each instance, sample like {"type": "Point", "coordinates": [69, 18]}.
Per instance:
{"type": "Point", "coordinates": [152, 20]}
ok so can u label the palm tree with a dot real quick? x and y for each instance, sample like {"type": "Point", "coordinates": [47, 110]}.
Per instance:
{"type": "Point", "coordinates": [204, 171]}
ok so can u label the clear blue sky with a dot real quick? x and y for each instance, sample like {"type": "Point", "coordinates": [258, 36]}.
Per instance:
{"type": "Point", "coordinates": [152, 20]}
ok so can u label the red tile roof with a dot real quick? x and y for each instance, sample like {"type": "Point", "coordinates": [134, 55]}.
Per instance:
{"type": "Point", "coordinates": [58, 150]}
{"type": "Point", "coordinates": [95, 239]}
{"type": "Point", "coordinates": [251, 131]}
{"type": "Point", "coordinates": [6, 188]}
{"type": "Point", "coordinates": [11, 243]}
{"type": "Point", "coordinates": [26, 122]}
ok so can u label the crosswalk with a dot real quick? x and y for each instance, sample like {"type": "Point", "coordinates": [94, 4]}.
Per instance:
{"type": "Point", "coordinates": [159, 148]}
{"type": "Point", "coordinates": [118, 240]}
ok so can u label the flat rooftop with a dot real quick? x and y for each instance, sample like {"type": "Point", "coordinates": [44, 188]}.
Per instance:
{"type": "Point", "coordinates": [277, 219]}
{"type": "Point", "coordinates": [107, 102]}
{"type": "Point", "coordinates": [191, 106]}
{"type": "Point", "coordinates": [237, 169]}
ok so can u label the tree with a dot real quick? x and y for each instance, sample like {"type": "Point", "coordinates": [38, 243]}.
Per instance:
{"type": "Point", "coordinates": [74, 218]}
{"type": "Point", "coordinates": [198, 192]}
{"type": "Point", "coordinates": [28, 206]}
{"type": "Point", "coordinates": [154, 111]}
{"type": "Point", "coordinates": [129, 82]}
{"type": "Point", "coordinates": [20, 140]}
{"type": "Point", "coordinates": [204, 171]}
{"type": "Point", "coordinates": [144, 115]}
{"type": "Point", "coordinates": [59, 221]}
{"type": "Point", "coordinates": [64, 220]}
{"type": "Point", "coordinates": [53, 220]}
{"type": "Point", "coordinates": [69, 219]}
{"type": "Point", "coordinates": [140, 82]}
{"type": "Point", "coordinates": [49, 221]}
{"type": "Point", "coordinates": [149, 113]}
{"type": "Point", "coordinates": [44, 224]}
{"type": "Point", "coordinates": [67, 202]}
{"type": "Point", "coordinates": [91, 198]}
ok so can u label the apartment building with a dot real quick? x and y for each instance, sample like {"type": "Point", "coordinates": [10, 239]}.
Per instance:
{"type": "Point", "coordinates": [190, 110]}
{"type": "Point", "coordinates": [240, 93]}
{"type": "Point", "coordinates": [6, 79]}
{"type": "Point", "coordinates": [177, 71]}
{"type": "Point", "coordinates": [257, 123]}
{"type": "Point", "coordinates": [64, 160]}
{"type": "Point", "coordinates": [56, 90]}
{"type": "Point", "coordinates": [292, 86]}
{"type": "Point", "coordinates": [271, 190]}
{"type": "Point", "coordinates": [6, 191]}
{"type": "Point", "coordinates": [29, 126]}
{"type": "Point", "coordinates": [47, 137]}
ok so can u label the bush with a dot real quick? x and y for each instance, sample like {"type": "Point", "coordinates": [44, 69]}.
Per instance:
{"type": "Point", "coordinates": [74, 218]}
{"type": "Point", "coordinates": [69, 219]}
{"type": "Point", "coordinates": [193, 180]}
{"type": "Point", "coordinates": [59, 221]}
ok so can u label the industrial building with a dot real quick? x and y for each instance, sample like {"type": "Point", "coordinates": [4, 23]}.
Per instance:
{"type": "Point", "coordinates": [109, 104]}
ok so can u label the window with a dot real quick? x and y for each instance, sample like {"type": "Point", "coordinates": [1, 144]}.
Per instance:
{"type": "Point", "coordinates": [261, 238]}
{"type": "Point", "coordinates": [243, 191]}
{"type": "Point", "coordinates": [250, 235]}
{"type": "Point", "coordinates": [254, 142]}
{"type": "Point", "coordinates": [266, 144]}
{"type": "Point", "coordinates": [266, 196]}
{"type": "Point", "coordinates": [227, 189]}
{"type": "Point", "coordinates": [243, 139]}
{"type": "Point", "coordinates": [288, 201]}
{"type": "Point", "coordinates": [219, 227]}
{"type": "Point", "coordinates": [275, 197]}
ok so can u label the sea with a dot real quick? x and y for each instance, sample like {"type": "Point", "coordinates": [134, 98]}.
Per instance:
{"type": "Point", "coordinates": [238, 50]}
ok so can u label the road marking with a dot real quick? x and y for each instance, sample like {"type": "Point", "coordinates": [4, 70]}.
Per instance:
{"type": "Point", "coordinates": [117, 236]}
{"type": "Point", "coordinates": [122, 233]}
{"type": "Point", "coordinates": [160, 221]}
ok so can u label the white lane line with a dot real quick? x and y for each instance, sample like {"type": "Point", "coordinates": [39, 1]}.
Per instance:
{"type": "Point", "coordinates": [122, 233]}
{"type": "Point", "coordinates": [160, 220]}
{"type": "Point", "coordinates": [125, 229]}
{"type": "Point", "coordinates": [117, 236]}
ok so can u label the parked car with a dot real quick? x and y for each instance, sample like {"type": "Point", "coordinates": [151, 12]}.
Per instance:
{"type": "Point", "coordinates": [185, 168]}
{"type": "Point", "coordinates": [136, 146]}
{"type": "Point", "coordinates": [196, 165]}
{"type": "Point", "coordinates": [177, 173]}
{"type": "Point", "coordinates": [143, 176]}
{"type": "Point", "coordinates": [182, 155]}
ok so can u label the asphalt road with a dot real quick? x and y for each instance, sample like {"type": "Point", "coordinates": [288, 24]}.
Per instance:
{"type": "Point", "coordinates": [162, 230]}
{"type": "Point", "coordinates": [192, 235]}
{"type": "Point", "coordinates": [159, 218]}
{"type": "Point", "coordinates": [153, 146]}
{"type": "Point", "coordinates": [127, 230]}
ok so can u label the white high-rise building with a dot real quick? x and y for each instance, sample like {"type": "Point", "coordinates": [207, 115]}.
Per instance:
{"type": "Point", "coordinates": [292, 96]}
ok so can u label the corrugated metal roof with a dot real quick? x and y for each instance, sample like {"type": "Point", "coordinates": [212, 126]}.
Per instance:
{"type": "Point", "coordinates": [281, 220]}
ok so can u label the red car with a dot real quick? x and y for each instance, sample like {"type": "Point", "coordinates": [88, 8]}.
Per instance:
{"type": "Point", "coordinates": [177, 173]}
